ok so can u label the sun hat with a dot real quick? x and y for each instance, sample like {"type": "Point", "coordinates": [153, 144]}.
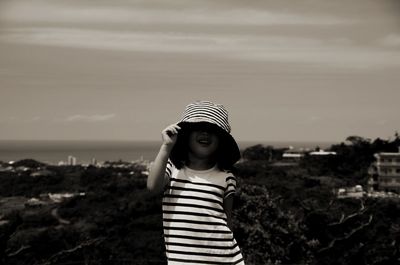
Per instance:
{"type": "Point", "coordinates": [206, 111]}
{"type": "Point", "coordinates": [215, 115]}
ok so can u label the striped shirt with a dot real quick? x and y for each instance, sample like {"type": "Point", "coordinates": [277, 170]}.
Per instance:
{"type": "Point", "coordinates": [194, 220]}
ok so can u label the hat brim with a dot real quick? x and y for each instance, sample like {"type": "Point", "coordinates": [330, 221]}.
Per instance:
{"type": "Point", "coordinates": [229, 145]}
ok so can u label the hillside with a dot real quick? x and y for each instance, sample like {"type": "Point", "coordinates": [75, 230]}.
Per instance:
{"type": "Point", "coordinates": [283, 214]}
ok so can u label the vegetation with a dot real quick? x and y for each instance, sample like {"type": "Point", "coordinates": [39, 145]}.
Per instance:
{"type": "Point", "coordinates": [283, 214]}
{"type": "Point", "coordinates": [301, 220]}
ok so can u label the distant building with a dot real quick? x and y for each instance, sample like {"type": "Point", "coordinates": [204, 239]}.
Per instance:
{"type": "Point", "coordinates": [42, 173]}
{"type": "Point", "coordinates": [384, 173]}
{"type": "Point", "coordinates": [71, 160]}
{"type": "Point", "coordinates": [292, 157]}
{"type": "Point", "coordinates": [351, 192]}
{"type": "Point", "coordinates": [322, 153]}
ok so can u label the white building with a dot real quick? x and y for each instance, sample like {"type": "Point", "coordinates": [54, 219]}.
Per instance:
{"type": "Point", "coordinates": [290, 156]}
{"type": "Point", "coordinates": [322, 153]}
{"type": "Point", "coordinates": [72, 160]}
{"type": "Point", "coordinates": [351, 192]}
{"type": "Point", "coordinates": [385, 172]}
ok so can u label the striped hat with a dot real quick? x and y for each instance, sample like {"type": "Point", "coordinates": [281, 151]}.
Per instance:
{"type": "Point", "coordinates": [216, 114]}
{"type": "Point", "coordinates": [206, 111]}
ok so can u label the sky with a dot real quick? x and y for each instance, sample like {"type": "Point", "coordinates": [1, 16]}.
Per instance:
{"type": "Point", "coordinates": [306, 70]}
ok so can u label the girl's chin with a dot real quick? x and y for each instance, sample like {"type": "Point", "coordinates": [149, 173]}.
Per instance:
{"type": "Point", "coordinates": [203, 152]}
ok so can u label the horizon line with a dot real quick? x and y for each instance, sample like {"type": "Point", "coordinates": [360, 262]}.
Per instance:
{"type": "Point", "coordinates": [152, 140]}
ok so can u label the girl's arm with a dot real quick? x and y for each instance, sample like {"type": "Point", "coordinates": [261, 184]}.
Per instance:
{"type": "Point", "coordinates": [229, 197]}
{"type": "Point", "coordinates": [156, 178]}
{"type": "Point", "coordinates": [228, 204]}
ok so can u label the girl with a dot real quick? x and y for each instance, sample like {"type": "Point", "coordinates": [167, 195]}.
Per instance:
{"type": "Point", "coordinates": [192, 167]}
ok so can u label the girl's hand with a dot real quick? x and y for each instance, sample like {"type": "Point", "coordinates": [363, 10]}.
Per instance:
{"type": "Point", "coordinates": [170, 135]}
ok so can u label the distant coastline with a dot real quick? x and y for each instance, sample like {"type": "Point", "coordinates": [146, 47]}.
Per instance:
{"type": "Point", "coordinates": [294, 144]}
{"type": "Point", "coordinates": [53, 151]}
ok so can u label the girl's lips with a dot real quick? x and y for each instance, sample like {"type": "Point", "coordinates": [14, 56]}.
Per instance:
{"type": "Point", "coordinates": [204, 140]}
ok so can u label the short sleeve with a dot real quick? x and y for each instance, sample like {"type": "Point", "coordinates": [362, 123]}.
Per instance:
{"type": "Point", "coordinates": [230, 186]}
{"type": "Point", "coordinates": [168, 171]}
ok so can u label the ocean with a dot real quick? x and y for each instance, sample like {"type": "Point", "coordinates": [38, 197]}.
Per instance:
{"type": "Point", "coordinates": [52, 152]}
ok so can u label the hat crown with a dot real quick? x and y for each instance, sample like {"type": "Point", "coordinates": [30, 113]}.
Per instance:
{"type": "Point", "coordinates": [207, 111]}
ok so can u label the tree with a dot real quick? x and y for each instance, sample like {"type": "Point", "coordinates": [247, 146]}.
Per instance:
{"type": "Point", "coordinates": [267, 233]}
{"type": "Point", "coordinates": [260, 152]}
{"type": "Point", "coordinates": [29, 163]}
{"type": "Point", "coordinates": [357, 140]}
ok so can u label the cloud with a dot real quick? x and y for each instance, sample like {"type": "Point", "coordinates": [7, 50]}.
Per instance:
{"type": "Point", "coordinates": [13, 119]}
{"type": "Point", "coordinates": [382, 122]}
{"type": "Point", "coordinates": [250, 47]}
{"type": "Point", "coordinates": [161, 13]}
{"type": "Point", "coordinates": [392, 40]}
{"type": "Point", "coordinates": [90, 118]}
{"type": "Point", "coordinates": [315, 118]}
{"type": "Point", "coordinates": [337, 57]}
{"type": "Point", "coordinates": [71, 25]}
{"type": "Point", "coordinates": [36, 118]}
{"type": "Point", "coordinates": [8, 119]}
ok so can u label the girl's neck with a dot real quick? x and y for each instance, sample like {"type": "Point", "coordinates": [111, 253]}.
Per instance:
{"type": "Point", "coordinates": [200, 164]}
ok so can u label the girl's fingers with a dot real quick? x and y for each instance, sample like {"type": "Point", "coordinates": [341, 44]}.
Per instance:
{"type": "Point", "coordinates": [173, 129]}
{"type": "Point", "coordinates": [176, 126]}
{"type": "Point", "coordinates": [170, 134]}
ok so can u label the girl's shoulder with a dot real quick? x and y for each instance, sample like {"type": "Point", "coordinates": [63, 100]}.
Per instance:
{"type": "Point", "coordinates": [223, 175]}
{"type": "Point", "coordinates": [226, 172]}
{"type": "Point", "coordinates": [218, 171]}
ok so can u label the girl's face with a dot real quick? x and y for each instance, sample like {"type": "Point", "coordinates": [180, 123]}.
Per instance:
{"type": "Point", "coordinates": [203, 141]}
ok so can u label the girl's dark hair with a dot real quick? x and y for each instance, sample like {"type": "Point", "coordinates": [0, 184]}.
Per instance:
{"type": "Point", "coordinates": [180, 153]}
